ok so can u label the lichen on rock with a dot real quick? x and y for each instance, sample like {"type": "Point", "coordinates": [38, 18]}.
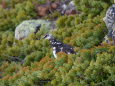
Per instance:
{"type": "Point", "coordinates": [31, 26]}
{"type": "Point", "coordinates": [109, 20]}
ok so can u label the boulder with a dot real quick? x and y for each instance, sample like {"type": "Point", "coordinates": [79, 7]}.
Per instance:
{"type": "Point", "coordinates": [109, 20]}
{"type": "Point", "coordinates": [69, 9]}
{"type": "Point", "coordinates": [46, 8]}
{"type": "Point", "coordinates": [31, 26]}
{"type": "Point", "coordinates": [43, 10]}
{"type": "Point", "coordinates": [54, 5]}
{"type": "Point", "coordinates": [64, 7]}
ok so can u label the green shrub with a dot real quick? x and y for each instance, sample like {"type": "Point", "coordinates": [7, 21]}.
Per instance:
{"type": "Point", "coordinates": [93, 65]}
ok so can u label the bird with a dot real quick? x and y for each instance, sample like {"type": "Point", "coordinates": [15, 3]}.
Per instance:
{"type": "Point", "coordinates": [59, 46]}
{"type": "Point", "coordinates": [109, 20]}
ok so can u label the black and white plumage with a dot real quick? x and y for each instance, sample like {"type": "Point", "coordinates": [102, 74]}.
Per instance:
{"type": "Point", "coordinates": [109, 20]}
{"type": "Point", "coordinates": [59, 46]}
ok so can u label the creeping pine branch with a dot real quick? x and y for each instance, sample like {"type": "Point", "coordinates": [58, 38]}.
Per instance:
{"type": "Point", "coordinates": [42, 82]}
{"type": "Point", "coordinates": [13, 58]}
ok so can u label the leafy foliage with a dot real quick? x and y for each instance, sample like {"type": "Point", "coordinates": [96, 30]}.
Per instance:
{"type": "Point", "coordinates": [16, 13]}
{"type": "Point", "coordinates": [93, 65]}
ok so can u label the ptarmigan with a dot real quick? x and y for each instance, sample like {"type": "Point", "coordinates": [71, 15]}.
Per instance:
{"type": "Point", "coordinates": [59, 46]}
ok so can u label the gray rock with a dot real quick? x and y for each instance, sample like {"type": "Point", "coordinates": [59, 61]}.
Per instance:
{"type": "Point", "coordinates": [109, 20]}
{"type": "Point", "coordinates": [31, 26]}
{"type": "Point", "coordinates": [69, 6]}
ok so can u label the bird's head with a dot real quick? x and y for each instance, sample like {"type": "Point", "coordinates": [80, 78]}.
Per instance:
{"type": "Point", "coordinates": [48, 36]}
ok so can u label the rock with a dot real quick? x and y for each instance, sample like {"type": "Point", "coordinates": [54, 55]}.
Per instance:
{"type": "Point", "coordinates": [43, 10]}
{"type": "Point", "coordinates": [31, 26]}
{"type": "Point", "coordinates": [109, 20]}
{"type": "Point", "coordinates": [66, 6]}
{"type": "Point", "coordinates": [4, 4]}
{"type": "Point", "coordinates": [71, 12]}
{"type": "Point", "coordinates": [54, 5]}
{"type": "Point", "coordinates": [72, 5]}
{"type": "Point", "coordinates": [69, 9]}
{"type": "Point", "coordinates": [67, 1]}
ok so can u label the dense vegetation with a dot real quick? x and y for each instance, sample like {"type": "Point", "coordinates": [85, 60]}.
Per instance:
{"type": "Point", "coordinates": [94, 65]}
